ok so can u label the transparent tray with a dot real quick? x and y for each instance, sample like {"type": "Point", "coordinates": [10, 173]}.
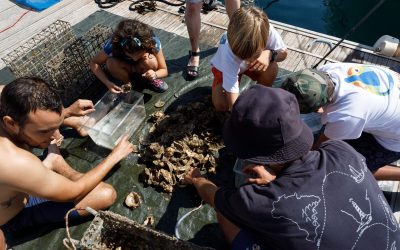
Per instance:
{"type": "Point", "coordinates": [115, 115]}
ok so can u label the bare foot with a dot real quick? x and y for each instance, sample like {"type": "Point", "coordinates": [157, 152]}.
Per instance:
{"type": "Point", "coordinates": [194, 60]}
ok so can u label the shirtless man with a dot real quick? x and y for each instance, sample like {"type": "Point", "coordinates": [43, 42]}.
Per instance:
{"type": "Point", "coordinates": [30, 115]}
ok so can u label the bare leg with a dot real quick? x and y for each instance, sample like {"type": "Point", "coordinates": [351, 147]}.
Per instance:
{"type": "Point", "coordinates": [101, 197]}
{"type": "Point", "coordinates": [149, 63]}
{"type": "Point", "coordinates": [230, 230]}
{"type": "Point", "coordinates": [219, 98]}
{"type": "Point", "coordinates": [388, 173]}
{"type": "Point", "coordinates": [231, 6]}
{"type": "Point", "coordinates": [76, 122]}
{"type": "Point", "coordinates": [193, 23]}
{"type": "Point", "coordinates": [119, 69]}
{"type": "Point", "coordinates": [3, 244]}
{"type": "Point", "coordinates": [267, 77]}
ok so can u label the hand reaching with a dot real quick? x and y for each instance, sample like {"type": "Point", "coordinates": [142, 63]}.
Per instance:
{"type": "Point", "coordinates": [122, 149]}
{"type": "Point", "coordinates": [192, 174]}
{"type": "Point", "coordinates": [150, 74]}
{"type": "Point", "coordinates": [80, 108]}
{"type": "Point", "coordinates": [264, 174]}
{"type": "Point", "coordinates": [58, 139]}
{"type": "Point", "coordinates": [262, 62]}
{"type": "Point", "coordinates": [115, 89]}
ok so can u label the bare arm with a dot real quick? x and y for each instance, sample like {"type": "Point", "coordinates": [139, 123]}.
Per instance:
{"type": "Point", "coordinates": [231, 99]}
{"type": "Point", "coordinates": [80, 107]}
{"type": "Point", "coordinates": [3, 244]}
{"type": "Point", "coordinates": [322, 138]}
{"type": "Point", "coordinates": [162, 70]}
{"type": "Point", "coordinates": [29, 175]}
{"type": "Point", "coordinates": [204, 187]}
{"type": "Point", "coordinates": [95, 66]}
{"type": "Point", "coordinates": [263, 61]}
{"type": "Point", "coordinates": [282, 54]}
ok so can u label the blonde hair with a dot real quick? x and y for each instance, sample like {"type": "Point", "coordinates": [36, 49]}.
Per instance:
{"type": "Point", "coordinates": [248, 31]}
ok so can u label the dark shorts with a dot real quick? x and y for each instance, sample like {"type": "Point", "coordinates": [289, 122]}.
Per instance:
{"type": "Point", "coordinates": [376, 156]}
{"type": "Point", "coordinates": [246, 240]}
{"type": "Point", "coordinates": [39, 212]}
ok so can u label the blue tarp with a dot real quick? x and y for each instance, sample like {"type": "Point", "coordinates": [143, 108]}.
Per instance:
{"type": "Point", "coordinates": [37, 5]}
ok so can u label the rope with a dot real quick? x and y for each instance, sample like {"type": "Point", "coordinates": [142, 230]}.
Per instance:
{"type": "Point", "coordinates": [68, 242]}
{"type": "Point", "coordinates": [351, 31]}
{"type": "Point", "coordinates": [9, 27]}
{"type": "Point", "coordinates": [105, 4]}
{"type": "Point", "coordinates": [145, 6]}
{"type": "Point", "coordinates": [183, 217]}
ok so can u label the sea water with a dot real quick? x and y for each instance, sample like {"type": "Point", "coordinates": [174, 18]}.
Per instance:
{"type": "Point", "coordinates": [123, 119]}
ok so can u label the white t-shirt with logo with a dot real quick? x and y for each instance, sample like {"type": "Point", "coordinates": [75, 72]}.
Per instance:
{"type": "Point", "coordinates": [231, 66]}
{"type": "Point", "coordinates": [366, 98]}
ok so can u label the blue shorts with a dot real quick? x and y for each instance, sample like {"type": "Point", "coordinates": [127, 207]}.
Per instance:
{"type": "Point", "coordinates": [39, 212]}
{"type": "Point", "coordinates": [246, 240]}
{"type": "Point", "coordinates": [375, 155]}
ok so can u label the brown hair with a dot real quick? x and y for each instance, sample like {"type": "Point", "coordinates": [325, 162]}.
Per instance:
{"type": "Point", "coordinates": [248, 31]}
{"type": "Point", "coordinates": [132, 36]}
{"type": "Point", "coordinates": [28, 94]}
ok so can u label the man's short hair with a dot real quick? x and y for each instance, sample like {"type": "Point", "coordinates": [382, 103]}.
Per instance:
{"type": "Point", "coordinates": [25, 95]}
{"type": "Point", "coordinates": [248, 31]}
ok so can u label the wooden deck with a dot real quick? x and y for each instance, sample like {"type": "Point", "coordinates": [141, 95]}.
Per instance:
{"type": "Point", "coordinates": [302, 51]}
{"type": "Point", "coordinates": [299, 41]}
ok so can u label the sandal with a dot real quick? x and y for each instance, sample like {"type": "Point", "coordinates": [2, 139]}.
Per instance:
{"type": "Point", "coordinates": [192, 71]}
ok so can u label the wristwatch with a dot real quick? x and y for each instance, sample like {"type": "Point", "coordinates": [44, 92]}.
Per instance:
{"type": "Point", "coordinates": [274, 53]}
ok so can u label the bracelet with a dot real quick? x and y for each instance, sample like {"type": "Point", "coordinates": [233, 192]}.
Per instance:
{"type": "Point", "coordinates": [273, 56]}
{"type": "Point", "coordinates": [155, 73]}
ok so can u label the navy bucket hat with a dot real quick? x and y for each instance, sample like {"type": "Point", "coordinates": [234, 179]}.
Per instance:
{"type": "Point", "coordinates": [265, 127]}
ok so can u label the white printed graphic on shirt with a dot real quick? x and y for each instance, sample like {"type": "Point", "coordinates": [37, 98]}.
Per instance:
{"type": "Point", "coordinates": [358, 176]}
{"type": "Point", "coordinates": [308, 212]}
{"type": "Point", "coordinates": [363, 218]}
{"type": "Point", "coordinates": [388, 212]}
{"type": "Point", "coordinates": [393, 246]}
{"type": "Point", "coordinates": [311, 215]}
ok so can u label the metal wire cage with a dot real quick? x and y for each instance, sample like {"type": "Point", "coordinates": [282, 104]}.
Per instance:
{"type": "Point", "coordinates": [60, 58]}
{"type": "Point", "coordinates": [69, 69]}
{"type": "Point", "coordinates": [109, 230]}
{"type": "Point", "coordinates": [30, 58]}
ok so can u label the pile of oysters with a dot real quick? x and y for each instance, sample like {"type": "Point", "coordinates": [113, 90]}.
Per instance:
{"type": "Point", "coordinates": [190, 136]}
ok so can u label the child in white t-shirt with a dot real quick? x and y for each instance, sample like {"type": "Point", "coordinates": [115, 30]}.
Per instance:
{"type": "Point", "coordinates": [252, 47]}
{"type": "Point", "coordinates": [359, 104]}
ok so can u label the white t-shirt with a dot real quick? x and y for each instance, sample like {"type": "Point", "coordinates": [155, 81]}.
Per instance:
{"type": "Point", "coordinates": [231, 66]}
{"type": "Point", "coordinates": [366, 98]}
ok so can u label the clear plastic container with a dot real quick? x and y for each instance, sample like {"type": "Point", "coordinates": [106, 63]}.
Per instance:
{"type": "Point", "coordinates": [240, 176]}
{"type": "Point", "coordinates": [115, 115]}
{"type": "Point", "coordinates": [313, 120]}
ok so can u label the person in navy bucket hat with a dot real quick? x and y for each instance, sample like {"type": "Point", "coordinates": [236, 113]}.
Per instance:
{"type": "Point", "coordinates": [265, 127]}
{"type": "Point", "coordinates": [297, 198]}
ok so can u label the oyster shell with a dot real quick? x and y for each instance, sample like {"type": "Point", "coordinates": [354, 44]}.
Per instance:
{"type": "Point", "coordinates": [188, 137]}
{"type": "Point", "coordinates": [132, 200]}
{"type": "Point", "coordinates": [159, 104]}
{"type": "Point", "coordinates": [126, 88]}
{"type": "Point", "coordinates": [157, 116]}
{"type": "Point", "coordinates": [149, 221]}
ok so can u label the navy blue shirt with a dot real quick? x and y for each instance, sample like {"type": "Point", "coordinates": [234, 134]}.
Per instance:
{"type": "Point", "coordinates": [326, 200]}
